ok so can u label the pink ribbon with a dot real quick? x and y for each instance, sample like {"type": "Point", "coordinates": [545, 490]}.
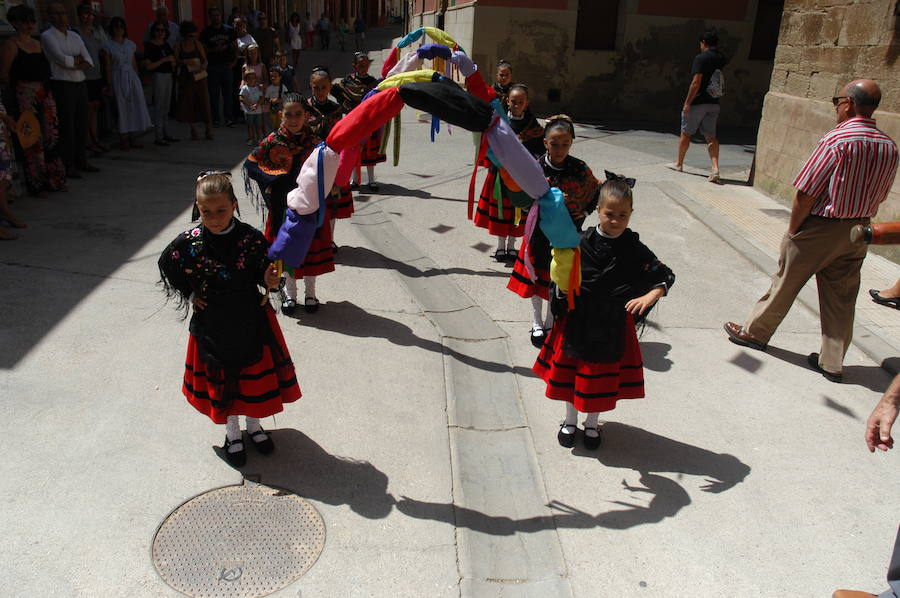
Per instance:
{"type": "Point", "coordinates": [530, 223]}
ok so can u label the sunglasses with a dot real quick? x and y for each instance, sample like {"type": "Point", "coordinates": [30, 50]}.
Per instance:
{"type": "Point", "coordinates": [837, 99]}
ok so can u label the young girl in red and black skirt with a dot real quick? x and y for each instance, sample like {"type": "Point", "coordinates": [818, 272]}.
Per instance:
{"type": "Point", "coordinates": [323, 115]}
{"type": "Point", "coordinates": [274, 165]}
{"type": "Point", "coordinates": [592, 358]}
{"type": "Point", "coordinates": [495, 211]}
{"type": "Point", "coordinates": [237, 362]}
{"type": "Point", "coordinates": [580, 188]}
{"type": "Point", "coordinates": [350, 92]}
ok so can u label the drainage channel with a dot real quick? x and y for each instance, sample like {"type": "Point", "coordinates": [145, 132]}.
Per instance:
{"type": "Point", "coordinates": [496, 478]}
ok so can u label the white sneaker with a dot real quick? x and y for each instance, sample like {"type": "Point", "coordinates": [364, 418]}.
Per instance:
{"type": "Point", "coordinates": [675, 167]}
{"type": "Point", "coordinates": [714, 177]}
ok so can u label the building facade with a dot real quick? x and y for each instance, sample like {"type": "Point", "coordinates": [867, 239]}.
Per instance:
{"type": "Point", "coordinates": [824, 44]}
{"type": "Point", "coordinates": [615, 59]}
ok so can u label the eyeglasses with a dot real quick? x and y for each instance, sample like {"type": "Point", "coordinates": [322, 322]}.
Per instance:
{"type": "Point", "coordinates": [837, 99]}
{"type": "Point", "coordinates": [205, 173]}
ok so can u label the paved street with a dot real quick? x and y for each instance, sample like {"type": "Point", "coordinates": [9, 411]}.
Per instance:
{"type": "Point", "coordinates": [423, 438]}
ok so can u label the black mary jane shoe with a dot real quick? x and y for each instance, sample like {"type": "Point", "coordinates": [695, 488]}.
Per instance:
{"type": "Point", "coordinates": [288, 306]}
{"type": "Point", "coordinates": [888, 301]}
{"type": "Point", "coordinates": [537, 336]}
{"type": "Point", "coordinates": [373, 188]}
{"type": "Point", "coordinates": [236, 458]}
{"type": "Point", "coordinates": [592, 443]}
{"type": "Point", "coordinates": [335, 248]}
{"type": "Point", "coordinates": [566, 440]}
{"type": "Point", "coordinates": [310, 305]}
{"type": "Point", "coordinates": [264, 446]}
{"type": "Point", "coordinates": [501, 255]}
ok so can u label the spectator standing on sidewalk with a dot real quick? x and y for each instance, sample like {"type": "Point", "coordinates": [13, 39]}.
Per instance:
{"type": "Point", "coordinates": [701, 109]}
{"type": "Point", "coordinates": [878, 436]}
{"type": "Point", "coordinates": [94, 37]}
{"type": "Point", "coordinates": [162, 18]}
{"type": "Point", "coordinates": [267, 39]}
{"type": "Point", "coordinates": [159, 59]}
{"type": "Point", "coordinates": [122, 75]}
{"type": "Point", "coordinates": [324, 32]}
{"type": "Point", "coordinates": [193, 92]}
{"type": "Point", "coordinates": [309, 26]}
{"type": "Point", "coordinates": [24, 66]}
{"type": "Point", "coordinates": [69, 59]}
{"type": "Point", "coordinates": [221, 51]}
{"type": "Point", "coordinates": [841, 185]}
{"type": "Point", "coordinates": [295, 37]}
{"type": "Point", "coordinates": [359, 33]}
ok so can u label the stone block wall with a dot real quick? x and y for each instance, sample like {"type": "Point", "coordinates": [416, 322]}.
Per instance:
{"type": "Point", "coordinates": [822, 45]}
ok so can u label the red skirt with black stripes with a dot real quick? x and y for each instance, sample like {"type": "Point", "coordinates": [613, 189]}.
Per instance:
{"type": "Point", "coordinates": [371, 151]}
{"type": "Point", "coordinates": [590, 386]}
{"type": "Point", "coordinates": [340, 203]}
{"type": "Point", "coordinates": [540, 255]}
{"type": "Point", "coordinates": [320, 257]}
{"type": "Point", "coordinates": [261, 389]}
{"type": "Point", "coordinates": [487, 214]}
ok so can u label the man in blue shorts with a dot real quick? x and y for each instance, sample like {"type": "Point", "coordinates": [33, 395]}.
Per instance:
{"type": "Point", "coordinates": [701, 110]}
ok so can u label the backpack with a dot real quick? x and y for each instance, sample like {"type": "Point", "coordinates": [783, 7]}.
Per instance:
{"type": "Point", "coordinates": [716, 86]}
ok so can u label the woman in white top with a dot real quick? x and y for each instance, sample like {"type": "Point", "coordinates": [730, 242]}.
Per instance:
{"type": "Point", "coordinates": [122, 79]}
{"type": "Point", "coordinates": [295, 35]}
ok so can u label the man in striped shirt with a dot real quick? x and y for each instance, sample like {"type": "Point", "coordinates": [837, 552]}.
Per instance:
{"type": "Point", "coordinates": [841, 185]}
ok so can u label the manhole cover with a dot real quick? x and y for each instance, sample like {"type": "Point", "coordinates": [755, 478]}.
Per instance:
{"type": "Point", "coordinates": [238, 541]}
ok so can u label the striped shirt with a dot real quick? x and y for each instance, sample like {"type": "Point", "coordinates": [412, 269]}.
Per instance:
{"type": "Point", "coordinates": [851, 170]}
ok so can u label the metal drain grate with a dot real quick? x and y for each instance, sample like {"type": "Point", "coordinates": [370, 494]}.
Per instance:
{"type": "Point", "coordinates": [238, 542]}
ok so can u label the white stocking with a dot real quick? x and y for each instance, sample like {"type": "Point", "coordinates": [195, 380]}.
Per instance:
{"type": "Point", "coordinates": [511, 244]}
{"type": "Point", "coordinates": [548, 321]}
{"type": "Point", "coordinates": [537, 319]}
{"type": "Point", "coordinates": [290, 287]}
{"type": "Point", "coordinates": [331, 224]}
{"type": "Point", "coordinates": [310, 284]}
{"type": "Point", "coordinates": [233, 432]}
{"type": "Point", "coordinates": [571, 422]}
{"type": "Point", "coordinates": [501, 243]}
{"type": "Point", "coordinates": [590, 424]}
{"type": "Point", "coordinates": [370, 170]}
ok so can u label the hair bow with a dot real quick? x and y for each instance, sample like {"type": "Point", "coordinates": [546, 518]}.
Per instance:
{"type": "Point", "coordinates": [611, 176]}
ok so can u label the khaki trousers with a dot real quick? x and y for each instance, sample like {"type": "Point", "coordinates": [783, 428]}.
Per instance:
{"type": "Point", "coordinates": [822, 248]}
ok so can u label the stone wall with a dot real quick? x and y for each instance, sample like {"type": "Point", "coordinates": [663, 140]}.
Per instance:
{"type": "Point", "coordinates": [644, 79]}
{"type": "Point", "coordinates": [822, 45]}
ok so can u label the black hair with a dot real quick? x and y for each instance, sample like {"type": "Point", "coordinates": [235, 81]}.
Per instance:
{"type": "Point", "coordinates": [293, 97]}
{"type": "Point", "coordinates": [503, 62]}
{"type": "Point", "coordinates": [20, 14]}
{"type": "Point", "coordinates": [615, 188]}
{"type": "Point", "coordinates": [186, 28]}
{"type": "Point", "coordinates": [710, 37]}
{"type": "Point", "coordinates": [115, 21]}
{"type": "Point", "coordinates": [294, 14]}
{"type": "Point", "coordinates": [521, 87]}
{"type": "Point", "coordinates": [80, 10]}
{"type": "Point", "coordinates": [560, 122]}
{"type": "Point", "coordinates": [320, 71]}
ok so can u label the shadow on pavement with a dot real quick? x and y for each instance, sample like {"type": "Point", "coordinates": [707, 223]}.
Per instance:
{"type": "Point", "coordinates": [654, 355]}
{"type": "Point", "coordinates": [345, 318]}
{"type": "Point", "coordinates": [362, 257]}
{"type": "Point", "coordinates": [301, 466]}
{"type": "Point", "coordinates": [872, 377]}
{"type": "Point", "coordinates": [632, 448]}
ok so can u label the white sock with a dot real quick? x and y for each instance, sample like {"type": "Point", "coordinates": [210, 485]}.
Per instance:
{"type": "Point", "coordinates": [309, 283]}
{"type": "Point", "coordinates": [501, 243]}
{"type": "Point", "coordinates": [571, 422]}
{"type": "Point", "coordinates": [331, 224]}
{"type": "Point", "coordinates": [590, 424]}
{"type": "Point", "coordinates": [290, 287]}
{"type": "Point", "coordinates": [370, 170]}
{"type": "Point", "coordinates": [511, 244]}
{"type": "Point", "coordinates": [537, 320]}
{"type": "Point", "coordinates": [233, 432]}
{"type": "Point", "coordinates": [548, 321]}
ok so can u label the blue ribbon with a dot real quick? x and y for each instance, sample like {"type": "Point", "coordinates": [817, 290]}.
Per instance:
{"type": "Point", "coordinates": [411, 37]}
{"type": "Point", "coordinates": [435, 127]}
{"type": "Point", "coordinates": [320, 183]}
